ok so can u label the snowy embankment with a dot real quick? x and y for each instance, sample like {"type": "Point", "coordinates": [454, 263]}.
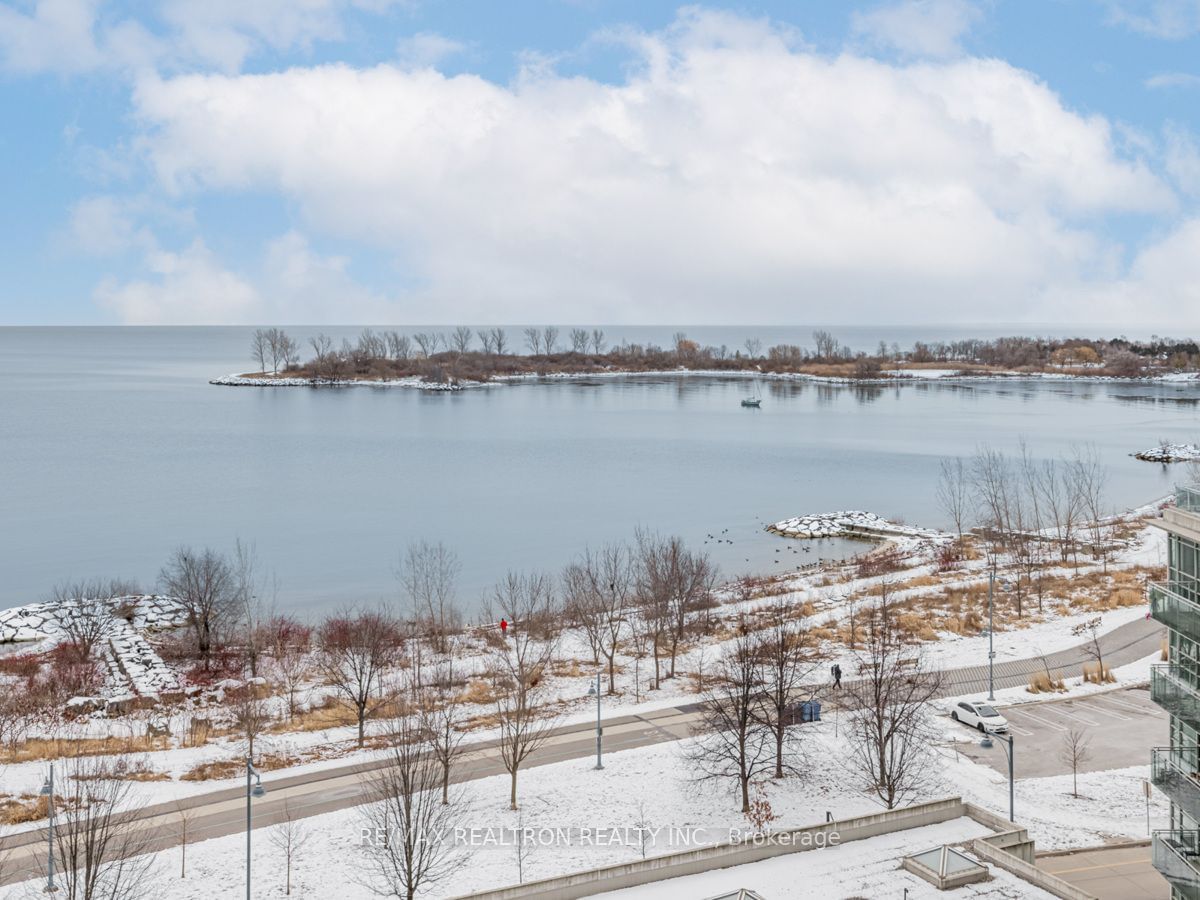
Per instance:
{"type": "Point", "coordinates": [1169, 453]}
{"type": "Point", "coordinates": [286, 381]}
{"type": "Point", "coordinates": [655, 788]}
{"type": "Point", "coordinates": [848, 523]}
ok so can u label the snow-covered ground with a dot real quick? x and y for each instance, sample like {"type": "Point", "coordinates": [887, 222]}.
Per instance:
{"type": "Point", "coordinates": [838, 524]}
{"type": "Point", "coordinates": [653, 787]}
{"type": "Point", "coordinates": [868, 868]}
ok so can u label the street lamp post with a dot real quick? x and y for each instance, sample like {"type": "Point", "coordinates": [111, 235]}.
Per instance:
{"type": "Point", "coordinates": [991, 631]}
{"type": "Point", "coordinates": [595, 689]}
{"type": "Point", "coordinates": [257, 791]}
{"type": "Point", "coordinates": [48, 792]}
{"type": "Point", "coordinates": [1010, 750]}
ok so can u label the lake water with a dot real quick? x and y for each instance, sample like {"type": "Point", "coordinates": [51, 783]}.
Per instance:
{"type": "Point", "coordinates": [114, 450]}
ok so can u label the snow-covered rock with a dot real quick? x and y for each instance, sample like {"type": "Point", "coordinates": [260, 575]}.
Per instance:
{"type": "Point", "coordinates": [1169, 453]}
{"type": "Point", "coordinates": [847, 523]}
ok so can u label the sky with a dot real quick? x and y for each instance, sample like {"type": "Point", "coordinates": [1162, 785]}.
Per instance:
{"type": "Point", "coordinates": [600, 161]}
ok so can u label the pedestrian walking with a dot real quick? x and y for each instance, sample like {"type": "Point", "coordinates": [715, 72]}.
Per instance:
{"type": "Point", "coordinates": [837, 676]}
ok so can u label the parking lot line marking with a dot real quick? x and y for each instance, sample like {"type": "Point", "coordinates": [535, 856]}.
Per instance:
{"type": "Point", "coordinates": [1020, 731]}
{"type": "Point", "coordinates": [1055, 725]}
{"type": "Point", "coordinates": [1127, 704]}
{"type": "Point", "coordinates": [1107, 710]}
{"type": "Point", "coordinates": [1077, 717]}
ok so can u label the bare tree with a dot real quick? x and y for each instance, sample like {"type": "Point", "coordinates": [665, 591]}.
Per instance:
{"type": "Point", "coordinates": [954, 493]}
{"type": "Point", "coordinates": [372, 345]}
{"type": "Point", "coordinates": [429, 574]}
{"type": "Point", "coordinates": [599, 594]}
{"type": "Point", "coordinates": [826, 344]}
{"type": "Point", "coordinates": [731, 738]}
{"type": "Point", "coordinates": [285, 352]}
{"type": "Point", "coordinates": [579, 340]}
{"type": "Point", "coordinates": [408, 823]}
{"type": "Point", "coordinates": [891, 732]}
{"type": "Point", "coordinates": [399, 345]}
{"type": "Point", "coordinates": [675, 583]}
{"type": "Point", "coordinates": [260, 348]}
{"type": "Point", "coordinates": [787, 656]}
{"type": "Point", "coordinates": [288, 642]}
{"type": "Point", "coordinates": [251, 714]}
{"type": "Point", "coordinates": [443, 724]}
{"type": "Point", "coordinates": [1089, 477]}
{"type": "Point", "coordinates": [753, 348]}
{"type": "Point", "coordinates": [85, 612]}
{"type": "Point", "coordinates": [184, 816]}
{"type": "Point", "coordinates": [519, 668]}
{"type": "Point", "coordinates": [208, 588]}
{"type": "Point", "coordinates": [354, 652]}
{"type": "Point", "coordinates": [427, 342]}
{"type": "Point", "coordinates": [99, 857]}
{"type": "Point", "coordinates": [597, 341]}
{"type": "Point", "coordinates": [499, 341]}
{"type": "Point", "coordinates": [460, 339]}
{"type": "Point", "coordinates": [485, 338]}
{"type": "Point", "coordinates": [1089, 630]}
{"type": "Point", "coordinates": [549, 339]}
{"type": "Point", "coordinates": [533, 340]}
{"type": "Point", "coordinates": [1075, 751]}
{"type": "Point", "coordinates": [289, 837]}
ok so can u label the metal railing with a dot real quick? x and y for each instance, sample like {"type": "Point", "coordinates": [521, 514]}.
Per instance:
{"type": "Point", "coordinates": [1171, 607]}
{"type": "Point", "coordinates": [1176, 688]}
{"type": "Point", "coordinates": [1173, 770]}
{"type": "Point", "coordinates": [1188, 498]}
{"type": "Point", "coordinates": [1176, 855]}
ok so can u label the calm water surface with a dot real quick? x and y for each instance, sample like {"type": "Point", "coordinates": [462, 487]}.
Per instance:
{"type": "Point", "coordinates": [114, 450]}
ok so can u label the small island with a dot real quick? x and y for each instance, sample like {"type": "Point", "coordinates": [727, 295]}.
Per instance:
{"type": "Point", "coordinates": [453, 360]}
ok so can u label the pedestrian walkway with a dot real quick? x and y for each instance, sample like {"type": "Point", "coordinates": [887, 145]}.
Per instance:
{"type": "Point", "coordinates": [1125, 644]}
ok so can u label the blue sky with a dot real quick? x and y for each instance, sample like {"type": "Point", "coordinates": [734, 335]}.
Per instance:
{"type": "Point", "coordinates": [580, 160]}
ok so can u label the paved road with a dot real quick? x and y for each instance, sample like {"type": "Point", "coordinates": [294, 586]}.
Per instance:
{"type": "Point", "coordinates": [1128, 643]}
{"type": "Point", "coordinates": [1121, 727]}
{"type": "Point", "coordinates": [1120, 872]}
{"type": "Point", "coordinates": [223, 812]}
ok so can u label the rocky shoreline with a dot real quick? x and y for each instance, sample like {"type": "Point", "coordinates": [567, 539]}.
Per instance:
{"type": "Point", "coordinates": [852, 523]}
{"type": "Point", "coordinates": [1169, 453]}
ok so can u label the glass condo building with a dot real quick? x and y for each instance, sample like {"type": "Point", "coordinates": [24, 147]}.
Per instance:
{"type": "Point", "coordinates": [1175, 686]}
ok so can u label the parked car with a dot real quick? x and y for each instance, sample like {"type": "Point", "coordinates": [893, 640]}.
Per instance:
{"type": "Point", "coordinates": [979, 715]}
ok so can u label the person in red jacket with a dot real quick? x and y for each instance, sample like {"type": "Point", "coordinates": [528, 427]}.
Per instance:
{"type": "Point", "coordinates": [504, 627]}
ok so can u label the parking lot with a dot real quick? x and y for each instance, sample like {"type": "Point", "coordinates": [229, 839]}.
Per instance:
{"type": "Point", "coordinates": [1121, 726]}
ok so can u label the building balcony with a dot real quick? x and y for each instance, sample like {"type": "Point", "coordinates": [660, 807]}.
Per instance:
{"type": "Point", "coordinates": [1176, 855]}
{"type": "Point", "coordinates": [1176, 689]}
{"type": "Point", "coordinates": [1176, 611]}
{"type": "Point", "coordinates": [1173, 770]}
{"type": "Point", "coordinates": [1188, 498]}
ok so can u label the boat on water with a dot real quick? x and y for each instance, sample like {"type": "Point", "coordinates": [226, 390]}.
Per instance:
{"type": "Point", "coordinates": [752, 402]}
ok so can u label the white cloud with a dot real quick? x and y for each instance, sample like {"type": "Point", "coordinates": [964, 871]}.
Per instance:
{"type": "Point", "coordinates": [919, 28]}
{"type": "Point", "coordinates": [427, 49]}
{"type": "Point", "coordinates": [190, 287]}
{"type": "Point", "coordinates": [730, 177]}
{"type": "Point", "coordinates": [1173, 80]}
{"type": "Point", "coordinates": [53, 35]}
{"type": "Point", "coordinates": [73, 36]}
{"type": "Point", "coordinates": [1182, 158]}
{"type": "Point", "coordinates": [1167, 19]}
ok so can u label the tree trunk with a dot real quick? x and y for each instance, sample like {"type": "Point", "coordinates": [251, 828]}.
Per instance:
{"type": "Point", "coordinates": [362, 720]}
{"type": "Point", "coordinates": [779, 728]}
{"type": "Point", "coordinates": [512, 796]}
{"type": "Point", "coordinates": [611, 674]}
{"type": "Point", "coordinates": [745, 793]}
{"type": "Point", "coordinates": [445, 784]}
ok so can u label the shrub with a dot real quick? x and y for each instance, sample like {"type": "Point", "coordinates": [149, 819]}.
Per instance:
{"type": "Point", "coordinates": [1092, 673]}
{"type": "Point", "coordinates": [1042, 683]}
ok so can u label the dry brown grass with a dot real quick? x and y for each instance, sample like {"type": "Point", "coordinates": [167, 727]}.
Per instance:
{"type": "Point", "coordinates": [26, 808]}
{"type": "Point", "coordinates": [1042, 683]}
{"type": "Point", "coordinates": [1164, 652]}
{"type": "Point", "coordinates": [1092, 673]}
{"type": "Point", "coordinates": [55, 748]}
{"type": "Point", "coordinates": [478, 691]}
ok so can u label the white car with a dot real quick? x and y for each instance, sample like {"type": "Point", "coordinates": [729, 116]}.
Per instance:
{"type": "Point", "coordinates": [979, 715]}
